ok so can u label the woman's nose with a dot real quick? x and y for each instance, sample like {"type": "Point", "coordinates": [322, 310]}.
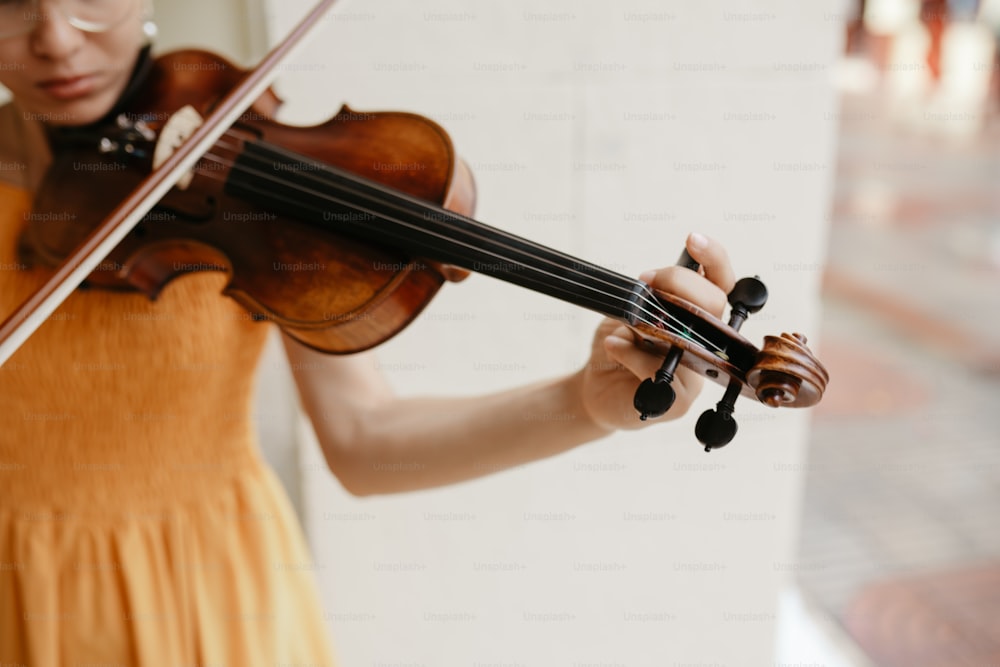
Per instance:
{"type": "Point", "coordinates": [53, 36]}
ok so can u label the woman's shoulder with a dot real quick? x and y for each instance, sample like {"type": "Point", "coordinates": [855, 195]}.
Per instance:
{"type": "Point", "coordinates": [24, 152]}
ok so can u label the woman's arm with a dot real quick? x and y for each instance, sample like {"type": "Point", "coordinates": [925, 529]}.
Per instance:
{"type": "Point", "coordinates": [375, 442]}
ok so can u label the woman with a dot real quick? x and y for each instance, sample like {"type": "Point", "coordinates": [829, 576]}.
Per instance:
{"type": "Point", "coordinates": [138, 524]}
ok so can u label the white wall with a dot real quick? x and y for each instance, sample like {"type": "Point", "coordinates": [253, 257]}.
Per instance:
{"type": "Point", "coordinates": [608, 130]}
{"type": "Point", "coordinates": [234, 28]}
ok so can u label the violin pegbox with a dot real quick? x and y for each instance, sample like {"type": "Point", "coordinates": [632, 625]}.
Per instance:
{"type": "Point", "coordinates": [784, 373]}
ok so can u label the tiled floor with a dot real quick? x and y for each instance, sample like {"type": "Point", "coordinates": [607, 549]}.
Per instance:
{"type": "Point", "coordinates": [905, 457]}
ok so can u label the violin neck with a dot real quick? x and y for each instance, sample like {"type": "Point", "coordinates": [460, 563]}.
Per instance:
{"type": "Point", "coordinates": [336, 199]}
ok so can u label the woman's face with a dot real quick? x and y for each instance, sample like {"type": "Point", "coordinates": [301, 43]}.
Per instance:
{"type": "Point", "coordinates": [61, 75]}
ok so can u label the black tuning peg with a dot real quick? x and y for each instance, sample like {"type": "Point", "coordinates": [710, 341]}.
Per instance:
{"type": "Point", "coordinates": [687, 261]}
{"type": "Point", "coordinates": [716, 428]}
{"type": "Point", "coordinates": [748, 296]}
{"type": "Point", "coordinates": [655, 396]}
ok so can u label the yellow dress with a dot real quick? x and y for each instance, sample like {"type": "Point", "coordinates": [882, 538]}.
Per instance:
{"type": "Point", "coordinates": [138, 523]}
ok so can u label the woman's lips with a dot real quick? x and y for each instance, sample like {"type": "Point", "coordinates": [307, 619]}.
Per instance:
{"type": "Point", "coordinates": [68, 88]}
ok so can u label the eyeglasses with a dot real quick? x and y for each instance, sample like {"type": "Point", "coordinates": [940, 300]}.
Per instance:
{"type": "Point", "coordinates": [20, 17]}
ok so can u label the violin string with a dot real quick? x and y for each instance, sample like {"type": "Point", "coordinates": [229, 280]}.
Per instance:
{"type": "Point", "coordinates": [401, 223]}
{"type": "Point", "coordinates": [681, 329]}
{"type": "Point", "coordinates": [441, 220]}
{"type": "Point", "coordinates": [496, 231]}
{"type": "Point", "coordinates": [442, 215]}
{"type": "Point", "coordinates": [645, 293]}
{"type": "Point", "coordinates": [675, 325]}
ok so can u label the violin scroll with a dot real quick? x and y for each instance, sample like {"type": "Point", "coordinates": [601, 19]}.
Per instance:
{"type": "Point", "coordinates": [787, 374]}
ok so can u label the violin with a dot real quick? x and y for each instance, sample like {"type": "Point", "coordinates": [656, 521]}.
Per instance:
{"type": "Point", "coordinates": [342, 232]}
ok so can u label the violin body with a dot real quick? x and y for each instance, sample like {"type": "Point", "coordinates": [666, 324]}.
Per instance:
{"type": "Point", "coordinates": [331, 292]}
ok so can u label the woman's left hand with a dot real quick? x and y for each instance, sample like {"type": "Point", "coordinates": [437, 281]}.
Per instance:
{"type": "Point", "coordinates": [617, 366]}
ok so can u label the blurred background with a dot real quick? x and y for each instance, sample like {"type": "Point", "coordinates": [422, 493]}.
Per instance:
{"type": "Point", "coordinates": [900, 540]}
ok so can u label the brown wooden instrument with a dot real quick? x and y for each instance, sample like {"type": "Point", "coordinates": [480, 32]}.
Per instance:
{"type": "Point", "coordinates": [341, 233]}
